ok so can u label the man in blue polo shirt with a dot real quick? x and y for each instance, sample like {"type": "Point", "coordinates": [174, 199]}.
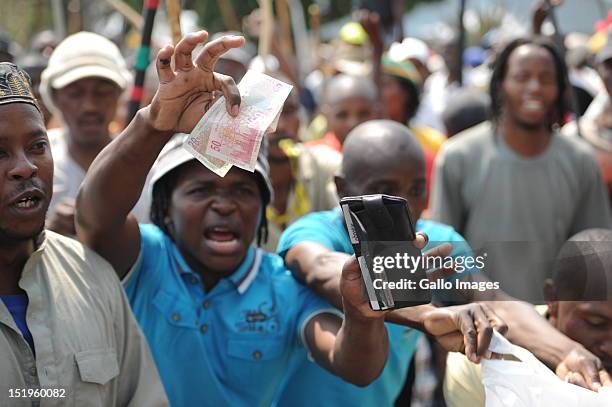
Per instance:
{"type": "Point", "coordinates": [393, 164]}
{"type": "Point", "coordinates": [316, 246]}
{"type": "Point", "coordinates": [222, 317]}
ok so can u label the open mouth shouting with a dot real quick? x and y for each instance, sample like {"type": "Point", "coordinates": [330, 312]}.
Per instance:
{"type": "Point", "coordinates": [222, 240]}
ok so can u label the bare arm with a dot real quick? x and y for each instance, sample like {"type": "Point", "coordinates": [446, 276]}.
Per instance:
{"type": "Point", "coordinates": [355, 348]}
{"type": "Point", "coordinates": [116, 178]}
{"type": "Point", "coordinates": [466, 328]}
{"type": "Point", "coordinates": [112, 187]}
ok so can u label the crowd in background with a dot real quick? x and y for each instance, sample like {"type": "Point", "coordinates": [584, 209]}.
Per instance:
{"type": "Point", "coordinates": [509, 140]}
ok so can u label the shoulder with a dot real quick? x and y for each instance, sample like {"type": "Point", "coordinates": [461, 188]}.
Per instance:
{"type": "Point", "coordinates": [570, 144]}
{"type": "Point", "coordinates": [75, 259]}
{"type": "Point", "coordinates": [154, 241]}
{"type": "Point", "coordinates": [273, 270]}
{"type": "Point", "coordinates": [576, 152]}
{"type": "Point", "coordinates": [467, 145]}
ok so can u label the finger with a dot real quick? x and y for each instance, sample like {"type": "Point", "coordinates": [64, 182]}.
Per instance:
{"type": "Point", "coordinates": [350, 270]}
{"type": "Point", "coordinates": [211, 52]}
{"type": "Point", "coordinates": [497, 323]}
{"type": "Point", "coordinates": [229, 89]}
{"type": "Point", "coordinates": [184, 48]}
{"type": "Point", "coordinates": [485, 331]}
{"type": "Point", "coordinates": [452, 342]}
{"type": "Point", "coordinates": [590, 372]}
{"type": "Point", "coordinates": [439, 274]}
{"type": "Point", "coordinates": [442, 250]}
{"type": "Point", "coordinates": [420, 240]}
{"type": "Point", "coordinates": [164, 70]}
{"type": "Point", "coordinates": [576, 379]}
{"type": "Point", "coordinates": [604, 378]}
{"type": "Point", "coordinates": [469, 336]}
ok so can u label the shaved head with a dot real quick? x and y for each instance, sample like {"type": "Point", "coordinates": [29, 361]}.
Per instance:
{"type": "Point", "coordinates": [384, 157]}
{"type": "Point", "coordinates": [342, 86]}
{"type": "Point", "coordinates": [377, 144]}
{"type": "Point", "coordinates": [583, 268]}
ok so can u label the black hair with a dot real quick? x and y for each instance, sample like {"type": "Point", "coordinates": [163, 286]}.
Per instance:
{"type": "Point", "coordinates": [501, 67]}
{"type": "Point", "coordinates": [162, 195]}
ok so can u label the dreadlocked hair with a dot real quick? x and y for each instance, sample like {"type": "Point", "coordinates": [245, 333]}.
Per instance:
{"type": "Point", "coordinates": [262, 230]}
{"type": "Point", "coordinates": [160, 202]}
{"type": "Point", "coordinates": [501, 67]}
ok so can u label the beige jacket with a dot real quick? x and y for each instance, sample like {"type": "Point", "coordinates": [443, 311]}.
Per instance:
{"type": "Point", "coordinates": [88, 344]}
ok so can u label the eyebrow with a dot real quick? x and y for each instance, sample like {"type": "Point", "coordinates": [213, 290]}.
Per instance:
{"type": "Point", "coordinates": [30, 135]}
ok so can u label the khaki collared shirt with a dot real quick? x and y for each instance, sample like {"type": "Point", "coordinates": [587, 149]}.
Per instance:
{"type": "Point", "coordinates": [89, 348]}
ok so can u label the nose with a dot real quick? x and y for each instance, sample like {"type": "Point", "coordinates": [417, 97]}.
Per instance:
{"type": "Point", "coordinates": [223, 205]}
{"type": "Point", "coordinates": [534, 85]}
{"type": "Point", "coordinates": [23, 168]}
{"type": "Point", "coordinates": [90, 103]}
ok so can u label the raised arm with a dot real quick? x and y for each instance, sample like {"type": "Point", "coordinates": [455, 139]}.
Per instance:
{"type": "Point", "coordinates": [117, 176]}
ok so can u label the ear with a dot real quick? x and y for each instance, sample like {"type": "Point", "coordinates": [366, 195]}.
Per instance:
{"type": "Point", "coordinates": [340, 186]}
{"type": "Point", "coordinates": [551, 300]}
{"type": "Point", "coordinates": [169, 225]}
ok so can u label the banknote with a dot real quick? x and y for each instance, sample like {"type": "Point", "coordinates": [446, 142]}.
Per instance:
{"type": "Point", "coordinates": [196, 145]}
{"type": "Point", "coordinates": [236, 140]}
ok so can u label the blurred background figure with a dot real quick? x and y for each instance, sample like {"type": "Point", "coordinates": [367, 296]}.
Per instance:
{"type": "Point", "coordinates": [82, 85]}
{"type": "Point", "coordinates": [302, 176]}
{"type": "Point", "coordinates": [34, 64]}
{"type": "Point", "coordinates": [8, 48]}
{"type": "Point", "coordinates": [466, 109]}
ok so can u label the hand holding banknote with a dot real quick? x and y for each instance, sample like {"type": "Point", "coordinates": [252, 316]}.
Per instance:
{"type": "Point", "coordinates": [186, 87]}
{"type": "Point", "coordinates": [220, 140]}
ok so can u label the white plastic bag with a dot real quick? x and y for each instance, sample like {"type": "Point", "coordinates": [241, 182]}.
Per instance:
{"type": "Point", "coordinates": [529, 383]}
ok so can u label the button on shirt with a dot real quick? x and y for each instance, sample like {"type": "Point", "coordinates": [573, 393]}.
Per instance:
{"type": "Point", "coordinates": [230, 345]}
{"type": "Point", "coordinates": [307, 384]}
{"type": "Point", "coordinates": [87, 342]}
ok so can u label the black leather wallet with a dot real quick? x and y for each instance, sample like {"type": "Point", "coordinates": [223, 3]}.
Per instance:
{"type": "Point", "coordinates": [381, 232]}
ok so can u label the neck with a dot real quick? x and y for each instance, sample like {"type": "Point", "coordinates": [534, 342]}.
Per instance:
{"type": "Point", "coordinates": [524, 140]}
{"type": "Point", "coordinates": [84, 154]}
{"type": "Point", "coordinates": [13, 257]}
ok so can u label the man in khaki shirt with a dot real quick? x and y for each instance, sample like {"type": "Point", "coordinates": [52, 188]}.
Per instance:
{"type": "Point", "coordinates": [67, 334]}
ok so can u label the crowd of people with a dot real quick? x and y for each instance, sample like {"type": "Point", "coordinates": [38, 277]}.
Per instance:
{"type": "Point", "coordinates": [131, 274]}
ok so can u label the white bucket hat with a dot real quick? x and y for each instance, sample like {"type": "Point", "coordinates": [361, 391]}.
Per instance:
{"type": "Point", "coordinates": [82, 55]}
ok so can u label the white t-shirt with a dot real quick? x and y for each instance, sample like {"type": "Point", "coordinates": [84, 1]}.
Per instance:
{"type": "Point", "coordinates": [68, 176]}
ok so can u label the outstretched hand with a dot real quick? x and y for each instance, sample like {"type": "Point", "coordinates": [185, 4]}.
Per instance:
{"type": "Point", "coordinates": [186, 87]}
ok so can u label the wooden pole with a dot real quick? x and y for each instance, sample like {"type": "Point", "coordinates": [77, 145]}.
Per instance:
{"type": "Point", "coordinates": [267, 30]}
{"type": "Point", "coordinates": [173, 10]}
{"type": "Point", "coordinates": [282, 11]}
{"type": "Point", "coordinates": [229, 15]}
{"type": "Point", "coordinates": [127, 12]}
{"type": "Point", "coordinates": [142, 58]}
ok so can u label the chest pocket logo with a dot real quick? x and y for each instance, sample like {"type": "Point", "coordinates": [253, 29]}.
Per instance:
{"type": "Point", "coordinates": [263, 319]}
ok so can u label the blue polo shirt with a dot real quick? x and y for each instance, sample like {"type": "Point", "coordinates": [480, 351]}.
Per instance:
{"type": "Point", "coordinates": [230, 346]}
{"type": "Point", "coordinates": [309, 385]}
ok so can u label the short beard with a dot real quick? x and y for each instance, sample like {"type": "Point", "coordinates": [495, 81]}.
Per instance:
{"type": "Point", "coordinates": [529, 126]}
{"type": "Point", "coordinates": [9, 238]}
